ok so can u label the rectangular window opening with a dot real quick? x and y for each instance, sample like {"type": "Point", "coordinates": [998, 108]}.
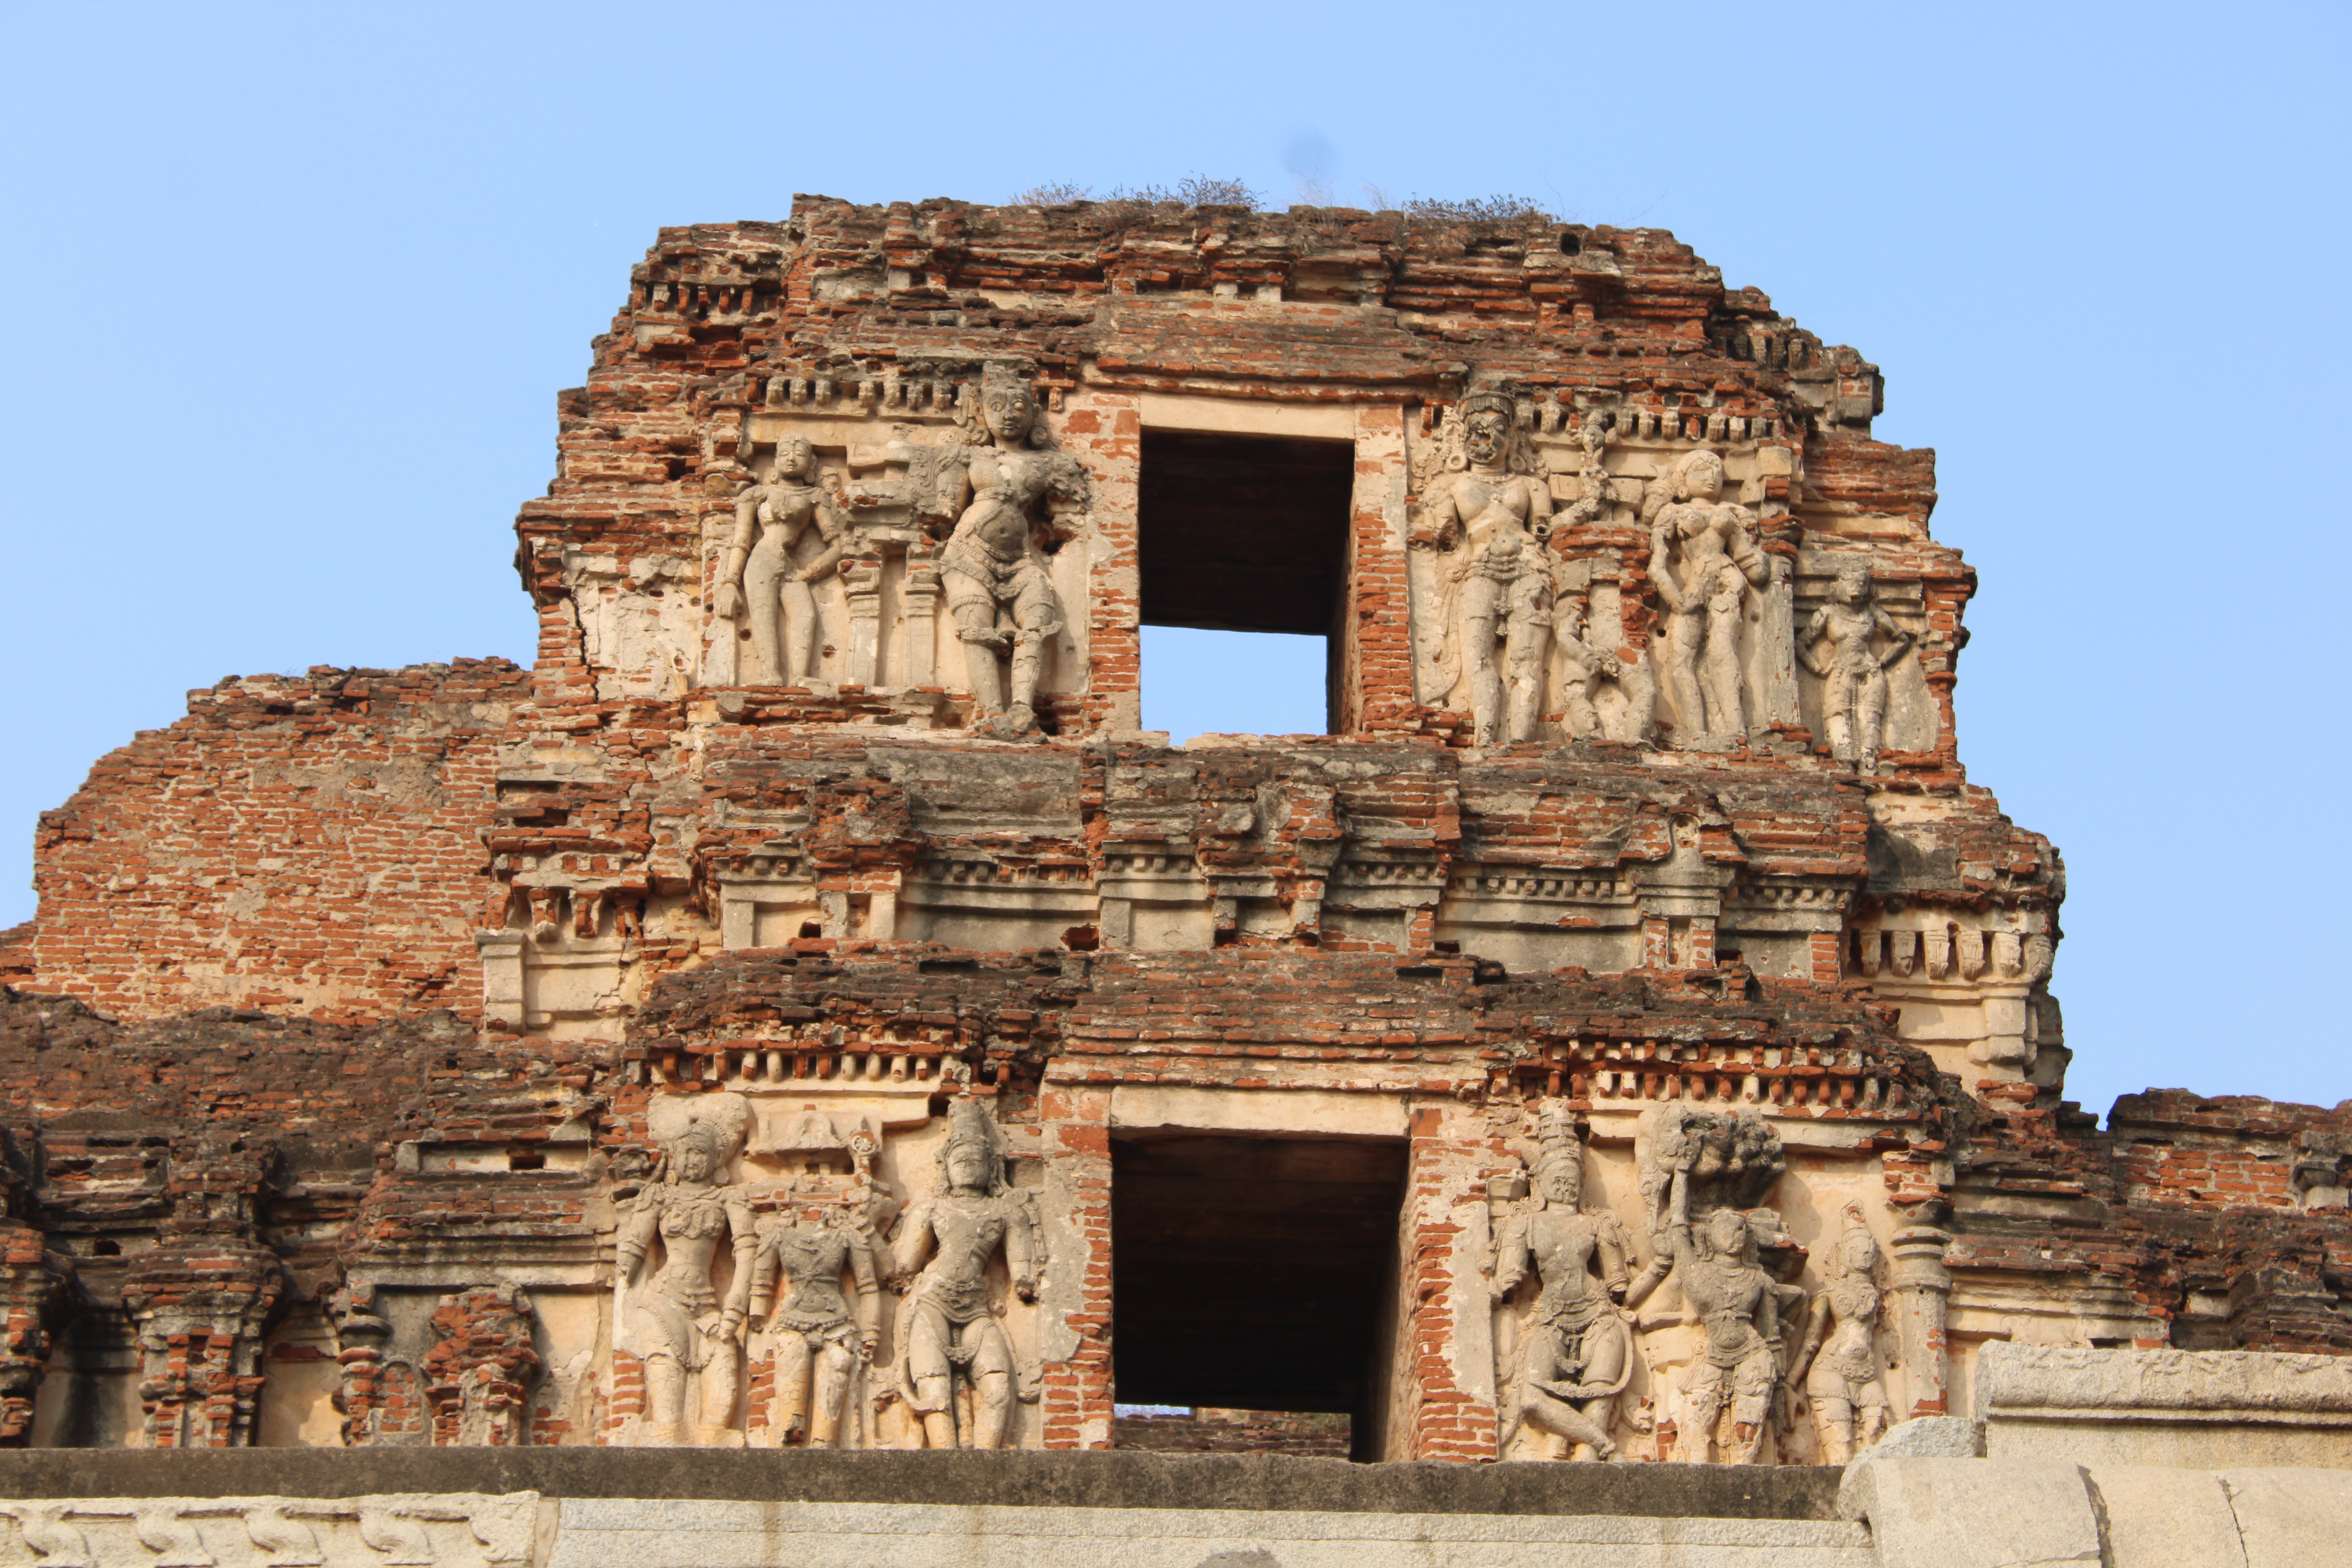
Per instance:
{"type": "Point", "coordinates": [1244, 542]}
{"type": "Point", "coordinates": [1253, 1292]}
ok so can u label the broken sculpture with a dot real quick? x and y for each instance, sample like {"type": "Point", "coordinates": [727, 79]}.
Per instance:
{"type": "Point", "coordinates": [1737, 1370]}
{"type": "Point", "coordinates": [1704, 558]}
{"type": "Point", "coordinates": [1492, 510]}
{"type": "Point", "coordinates": [949, 1333]}
{"type": "Point", "coordinates": [671, 1316]}
{"type": "Point", "coordinates": [1837, 1363]}
{"type": "Point", "coordinates": [819, 1339]}
{"type": "Point", "coordinates": [997, 587]}
{"type": "Point", "coordinates": [765, 577]}
{"type": "Point", "coordinates": [1854, 670]}
{"type": "Point", "coordinates": [1575, 1354]}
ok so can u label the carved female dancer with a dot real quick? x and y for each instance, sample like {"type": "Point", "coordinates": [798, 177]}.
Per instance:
{"type": "Point", "coordinates": [775, 589]}
{"type": "Point", "coordinates": [1704, 606]}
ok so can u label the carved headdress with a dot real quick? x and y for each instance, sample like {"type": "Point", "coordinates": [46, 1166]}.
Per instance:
{"type": "Point", "coordinates": [1518, 455]}
{"type": "Point", "coordinates": [1674, 485]}
{"type": "Point", "coordinates": [969, 1126]}
{"type": "Point", "coordinates": [1558, 1148]}
{"type": "Point", "coordinates": [715, 1123]}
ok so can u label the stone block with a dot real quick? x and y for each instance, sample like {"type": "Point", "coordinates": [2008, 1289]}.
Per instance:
{"type": "Point", "coordinates": [1972, 1514]}
{"type": "Point", "coordinates": [2166, 1519]}
{"type": "Point", "coordinates": [2291, 1518]}
{"type": "Point", "coordinates": [2193, 1409]}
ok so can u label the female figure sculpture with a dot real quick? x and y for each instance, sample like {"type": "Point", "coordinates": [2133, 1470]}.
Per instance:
{"type": "Point", "coordinates": [674, 1321]}
{"type": "Point", "coordinates": [776, 588]}
{"type": "Point", "coordinates": [1841, 1376]}
{"type": "Point", "coordinates": [1576, 1356]}
{"type": "Point", "coordinates": [1853, 676]}
{"type": "Point", "coordinates": [997, 588]}
{"type": "Point", "coordinates": [1738, 1367]}
{"type": "Point", "coordinates": [947, 1328]}
{"type": "Point", "coordinates": [1718, 560]}
{"type": "Point", "coordinates": [799, 1269]}
{"type": "Point", "coordinates": [1500, 587]}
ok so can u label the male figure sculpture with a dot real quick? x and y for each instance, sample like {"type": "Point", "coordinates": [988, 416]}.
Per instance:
{"type": "Point", "coordinates": [1719, 560]}
{"type": "Point", "coordinates": [1841, 1376]}
{"type": "Point", "coordinates": [678, 1326]}
{"type": "Point", "coordinates": [1738, 1367]}
{"type": "Point", "coordinates": [1575, 1356]}
{"type": "Point", "coordinates": [818, 1342]}
{"type": "Point", "coordinates": [947, 1328]}
{"type": "Point", "coordinates": [997, 589]}
{"type": "Point", "coordinates": [775, 586]}
{"type": "Point", "coordinates": [1853, 674]}
{"type": "Point", "coordinates": [1502, 582]}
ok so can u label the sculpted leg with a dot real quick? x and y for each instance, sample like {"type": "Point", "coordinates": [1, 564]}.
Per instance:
{"type": "Point", "coordinates": [1530, 641]}
{"type": "Point", "coordinates": [1035, 614]}
{"type": "Point", "coordinates": [933, 1398]}
{"type": "Point", "coordinates": [665, 1398]}
{"type": "Point", "coordinates": [804, 632]}
{"type": "Point", "coordinates": [1719, 672]}
{"type": "Point", "coordinates": [720, 1375]}
{"type": "Point", "coordinates": [1683, 634]}
{"type": "Point", "coordinates": [992, 1384]}
{"type": "Point", "coordinates": [763, 570]}
{"type": "Point", "coordinates": [832, 1384]}
{"type": "Point", "coordinates": [975, 617]}
{"type": "Point", "coordinates": [790, 1416]}
{"type": "Point", "coordinates": [1832, 1430]}
{"type": "Point", "coordinates": [1870, 722]}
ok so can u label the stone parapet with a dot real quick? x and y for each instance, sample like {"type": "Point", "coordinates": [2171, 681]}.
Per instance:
{"type": "Point", "coordinates": [2185, 1408]}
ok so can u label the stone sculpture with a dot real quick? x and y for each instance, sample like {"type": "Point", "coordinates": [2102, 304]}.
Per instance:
{"type": "Point", "coordinates": [672, 1319]}
{"type": "Point", "coordinates": [1499, 586]}
{"type": "Point", "coordinates": [949, 1331]}
{"type": "Point", "coordinates": [1733, 1159]}
{"type": "Point", "coordinates": [796, 1295]}
{"type": "Point", "coordinates": [1583, 665]}
{"type": "Point", "coordinates": [1838, 1362]}
{"type": "Point", "coordinates": [1737, 1368]}
{"type": "Point", "coordinates": [763, 576]}
{"type": "Point", "coordinates": [1702, 560]}
{"type": "Point", "coordinates": [1852, 671]}
{"type": "Point", "coordinates": [1574, 1354]}
{"type": "Point", "coordinates": [997, 587]}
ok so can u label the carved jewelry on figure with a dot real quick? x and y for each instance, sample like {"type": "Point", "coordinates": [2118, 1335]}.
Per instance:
{"type": "Point", "coordinates": [1491, 507]}
{"type": "Point", "coordinates": [1853, 672]}
{"type": "Point", "coordinates": [1704, 558]}
{"type": "Point", "coordinates": [997, 587]}
{"type": "Point", "coordinates": [1838, 1364]}
{"type": "Point", "coordinates": [674, 1321]}
{"type": "Point", "coordinates": [763, 578]}
{"type": "Point", "coordinates": [1575, 1354]}
{"type": "Point", "coordinates": [1737, 1368]}
{"type": "Point", "coordinates": [950, 1331]}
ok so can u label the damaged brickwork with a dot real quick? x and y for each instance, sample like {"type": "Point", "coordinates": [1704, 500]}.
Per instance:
{"type": "Point", "coordinates": [725, 1031]}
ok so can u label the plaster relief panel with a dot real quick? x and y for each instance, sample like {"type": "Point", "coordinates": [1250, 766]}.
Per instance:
{"type": "Point", "coordinates": [1862, 688]}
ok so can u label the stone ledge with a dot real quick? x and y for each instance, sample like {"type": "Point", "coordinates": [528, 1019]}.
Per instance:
{"type": "Point", "coordinates": [1062, 1479]}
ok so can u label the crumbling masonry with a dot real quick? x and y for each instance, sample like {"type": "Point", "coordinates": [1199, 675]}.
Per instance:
{"type": "Point", "coordinates": [805, 1008]}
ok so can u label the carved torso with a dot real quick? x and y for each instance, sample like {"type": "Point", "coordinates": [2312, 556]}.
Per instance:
{"type": "Point", "coordinates": [1005, 484]}
{"type": "Point", "coordinates": [813, 1260]}
{"type": "Point", "coordinates": [1726, 1296]}
{"type": "Point", "coordinates": [1850, 1352]}
{"type": "Point", "coordinates": [1562, 1246]}
{"type": "Point", "coordinates": [969, 1228]}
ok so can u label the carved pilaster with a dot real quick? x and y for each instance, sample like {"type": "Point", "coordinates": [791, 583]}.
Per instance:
{"type": "Point", "coordinates": [201, 1311]}
{"type": "Point", "coordinates": [922, 603]}
{"type": "Point", "coordinates": [1920, 1292]}
{"type": "Point", "coordinates": [861, 580]}
{"type": "Point", "coordinates": [34, 1286]}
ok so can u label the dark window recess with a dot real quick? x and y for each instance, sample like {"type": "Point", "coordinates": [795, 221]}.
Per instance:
{"type": "Point", "coordinates": [1246, 533]}
{"type": "Point", "coordinates": [1257, 1273]}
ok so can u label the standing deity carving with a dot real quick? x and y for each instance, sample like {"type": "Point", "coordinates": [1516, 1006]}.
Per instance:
{"type": "Point", "coordinates": [1738, 1303]}
{"type": "Point", "coordinates": [950, 1331]}
{"type": "Point", "coordinates": [1704, 559]}
{"type": "Point", "coordinates": [1492, 509]}
{"type": "Point", "coordinates": [820, 1338]}
{"type": "Point", "coordinates": [1575, 1354]}
{"type": "Point", "coordinates": [672, 1319]}
{"type": "Point", "coordinates": [997, 587]}
{"type": "Point", "coordinates": [1853, 670]}
{"type": "Point", "coordinates": [764, 576]}
{"type": "Point", "coordinates": [1837, 1363]}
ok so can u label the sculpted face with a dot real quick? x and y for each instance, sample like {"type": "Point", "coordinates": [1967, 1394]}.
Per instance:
{"type": "Point", "coordinates": [967, 1166]}
{"type": "Point", "coordinates": [1563, 1182]}
{"type": "Point", "coordinates": [1009, 411]}
{"type": "Point", "coordinates": [1852, 587]}
{"type": "Point", "coordinates": [1859, 1253]}
{"type": "Point", "coordinates": [793, 457]}
{"type": "Point", "coordinates": [1729, 1232]}
{"type": "Point", "coordinates": [1704, 478]}
{"type": "Point", "coordinates": [1485, 437]}
{"type": "Point", "coordinates": [693, 1163]}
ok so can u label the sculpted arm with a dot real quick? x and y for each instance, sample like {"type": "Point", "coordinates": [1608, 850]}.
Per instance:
{"type": "Point", "coordinates": [869, 1291]}
{"type": "Point", "coordinates": [729, 602]}
{"type": "Point", "coordinates": [914, 1248]}
{"type": "Point", "coordinates": [637, 1235]}
{"type": "Point", "coordinates": [1661, 575]}
{"type": "Point", "coordinates": [746, 1241]}
{"type": "Point", "coordinates": [828, 523]}
{"type": "Point", "coordinates": [1898, 640]}
{"type": "Point", "coordinates": [1511, 1254]}
{"type": "Point", "coordinates": [1616, 1251]}
{"type": "Point", "coordinates": [1439, 523]}
{"type": "Point", "coordinates": [1539, 507]}
{"type": "Point", "coordinates": [1816, 1329]}
{"type": "Point", "coordinates": [1806, 649]}
{"type": "Point", "coordinates": [1741, 539]}
{"type": "Point", "coordinates": [1021, 1253]}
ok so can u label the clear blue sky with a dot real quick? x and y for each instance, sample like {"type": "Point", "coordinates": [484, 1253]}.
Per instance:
{"type": "Point", "coordinates": [292, 290]}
